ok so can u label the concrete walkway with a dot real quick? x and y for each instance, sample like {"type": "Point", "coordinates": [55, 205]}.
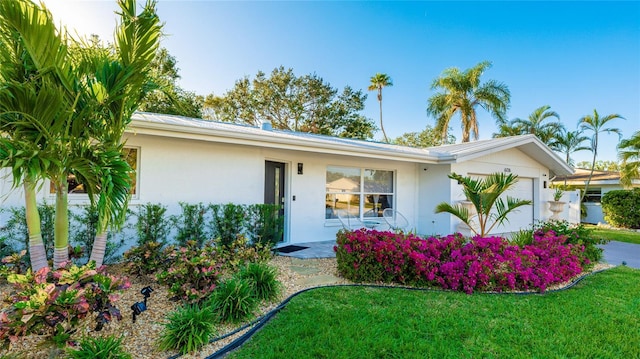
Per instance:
{"type": "Point", "coordinates": [618, 252]}
{"type": "Point", "coordinates": [315, 250]}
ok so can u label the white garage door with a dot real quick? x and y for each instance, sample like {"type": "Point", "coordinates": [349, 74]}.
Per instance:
{"type": "Point", "coordinates": [522, 217]}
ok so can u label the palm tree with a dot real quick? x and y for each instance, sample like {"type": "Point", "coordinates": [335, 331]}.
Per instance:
{"type": "Point", "coordinates": [484, 194]}
{"type": "Point", "coordinates": [596, 124]}
{"type": "Point", "coordinates": [462, 93]}
{"type": "Point", "coordinates": [378, 82]}
{"type": "Point", "coordinates": [99, 92]}
{"type": "Point", "coordinates": [546, 132]}
{"type": "Point", "coordinates": [629, 155]}
{"type": "Point", "coordinates": [568, 142]}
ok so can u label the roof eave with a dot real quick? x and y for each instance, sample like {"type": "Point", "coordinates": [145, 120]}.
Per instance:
{"type": "Point", "coordinates": [250, 139]}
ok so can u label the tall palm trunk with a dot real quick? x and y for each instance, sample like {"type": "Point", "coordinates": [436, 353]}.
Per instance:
{"type": "Point", "coordinates": [593, 166]}
{"type": "Point", "coordinates": [37, 252]}
{"type": "Point", "coordinates": [61, 233]}
{"type": "Point", "coordinates": [384, 134]}
{"type": "Point", "coordinates": [99, 247]}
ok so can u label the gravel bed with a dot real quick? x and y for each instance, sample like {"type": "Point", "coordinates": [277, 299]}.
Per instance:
{"type": "Point", "coordinates": [139, 338]}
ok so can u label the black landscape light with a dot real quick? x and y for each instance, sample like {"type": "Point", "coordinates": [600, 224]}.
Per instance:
{"type": "Point", "coordinates": [137, 308]}
{"type": "Point", "coordinates": [146, 291]}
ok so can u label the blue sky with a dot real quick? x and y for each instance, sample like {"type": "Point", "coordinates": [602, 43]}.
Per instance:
{"type": "Point", "coordinates": [573, 56]}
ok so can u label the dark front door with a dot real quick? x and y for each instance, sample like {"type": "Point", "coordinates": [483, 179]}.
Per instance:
{"type": "Point", "coordinates": [274, 188]}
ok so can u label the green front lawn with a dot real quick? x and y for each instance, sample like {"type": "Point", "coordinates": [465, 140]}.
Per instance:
{"type": "Point", "coordinates": [598, 318]}
{"type": "Point", "coordinates": [619, 235]}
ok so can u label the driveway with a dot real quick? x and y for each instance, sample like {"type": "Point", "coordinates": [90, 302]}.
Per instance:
{"type": "Point", "coordinates": [617, 252]}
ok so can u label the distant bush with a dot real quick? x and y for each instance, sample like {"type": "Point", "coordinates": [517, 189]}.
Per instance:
{"type": "Point", "coordinates": [622, 208]}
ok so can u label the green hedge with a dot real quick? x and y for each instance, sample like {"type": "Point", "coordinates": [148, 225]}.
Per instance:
{"type": "Point", "coordinates": [622, 208]}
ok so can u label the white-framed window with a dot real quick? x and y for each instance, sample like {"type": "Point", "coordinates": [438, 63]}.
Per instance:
{"type": "Point", "coordinates": [132, 156]}
{"type": "Point", "coordinates": [361, 192]}
{"type": "Point", "coordinates": [594, 195]}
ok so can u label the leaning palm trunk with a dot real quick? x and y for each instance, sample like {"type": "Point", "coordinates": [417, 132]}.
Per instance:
{"type": "Point", "coordinates": [593, 166]}
{"type": "Point", "coordinates": [61, 250]}
{"type": "Point", "coordinates": [37, 252]}
{"type": "Point", "coordinates": [99, 248]}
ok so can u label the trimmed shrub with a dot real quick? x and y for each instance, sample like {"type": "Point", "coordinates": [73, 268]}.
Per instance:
{"type": "Point", "coordinates": [263, 279]}
{"type": "Point", "coordinates": [188, 329]}
{"type": "Point", "coordinates": [266, 225]}
{"type": "Point", "coordinates": [83, 228]}
{"type": "Point", "coordinates": [228, 222]}
{"type": "Point", "coordinates": [233, 300]}
{"type": "Point", "coordinates": [99, 348]}
{"type": "Point", "coordinates": [487, 264]}
{"type": "Point", "coordinates": [152, 225]}
{"type": "Point", "coordinates": [190, 224]}
{"type": "Point", "coordinates": [622, 208]}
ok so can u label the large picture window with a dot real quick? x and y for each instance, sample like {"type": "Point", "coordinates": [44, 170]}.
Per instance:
{"type": "Point", "coordinates": [361, 192]}
{"type": "Point", "coordinates": [131, 156]}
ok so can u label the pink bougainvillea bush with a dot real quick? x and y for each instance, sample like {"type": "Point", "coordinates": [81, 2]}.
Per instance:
{"type": "Point", "coordinates": [453, 262]}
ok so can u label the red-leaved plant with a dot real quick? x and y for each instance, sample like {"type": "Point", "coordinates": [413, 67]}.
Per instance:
{"type": "Point", "coordinates": [52, 302]}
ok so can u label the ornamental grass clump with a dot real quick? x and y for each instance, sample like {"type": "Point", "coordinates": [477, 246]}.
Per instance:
{"type": "Point", "coordinates": [233, 300]}
{"type": "Point", "coordinates": [99, 348]}
{"type": "Point", "coordinates": [188, 329]}
{"type": "Point", "coordinates": [263, 279]}
{"type": "Point", "coordinates": [451, 262]}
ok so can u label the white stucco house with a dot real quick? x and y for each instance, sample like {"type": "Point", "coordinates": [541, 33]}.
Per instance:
{"type": "Point", "coordinates": [601, 183]}
{"type": "Point", "coordinates": [190, 160]}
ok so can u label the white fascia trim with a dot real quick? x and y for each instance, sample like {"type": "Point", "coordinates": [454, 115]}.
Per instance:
{"type": "Point", "coordinates": [250, 139]}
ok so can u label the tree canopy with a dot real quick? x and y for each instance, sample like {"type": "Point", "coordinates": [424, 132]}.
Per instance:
{"type": "Point", "coordinates": [428, 137]}
{"type": "Point", "coordinates": [461, 93]}
{"type": "Point", "coordinates": [298, 103]}
{"type": "Point", "coordinates": [168, 97]}
{"type": "Point", "coordinates": [535, 124]}
{"type": "Point", "coordinates": [629, 154]}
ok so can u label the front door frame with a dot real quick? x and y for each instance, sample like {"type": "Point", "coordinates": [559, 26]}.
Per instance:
{"type": "Point", "coordinates": [285, 166]}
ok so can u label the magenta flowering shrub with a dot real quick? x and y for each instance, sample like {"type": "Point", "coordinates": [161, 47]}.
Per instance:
{"type": "Point", "coordinates": [451, 262]}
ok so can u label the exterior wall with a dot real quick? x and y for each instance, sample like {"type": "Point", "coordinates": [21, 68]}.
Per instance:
{"type": "Point", "coordinates": [307, 212]}
{"type": "Point", "coordinates": [510, 161]}
{"type": "Point", "coordinates": [173, 170]}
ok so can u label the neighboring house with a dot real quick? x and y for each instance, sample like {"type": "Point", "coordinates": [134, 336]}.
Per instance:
{"type": "Point", "coordinates": [189, 160]}
{"type": "Point", "coordinates": [601, 183]}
